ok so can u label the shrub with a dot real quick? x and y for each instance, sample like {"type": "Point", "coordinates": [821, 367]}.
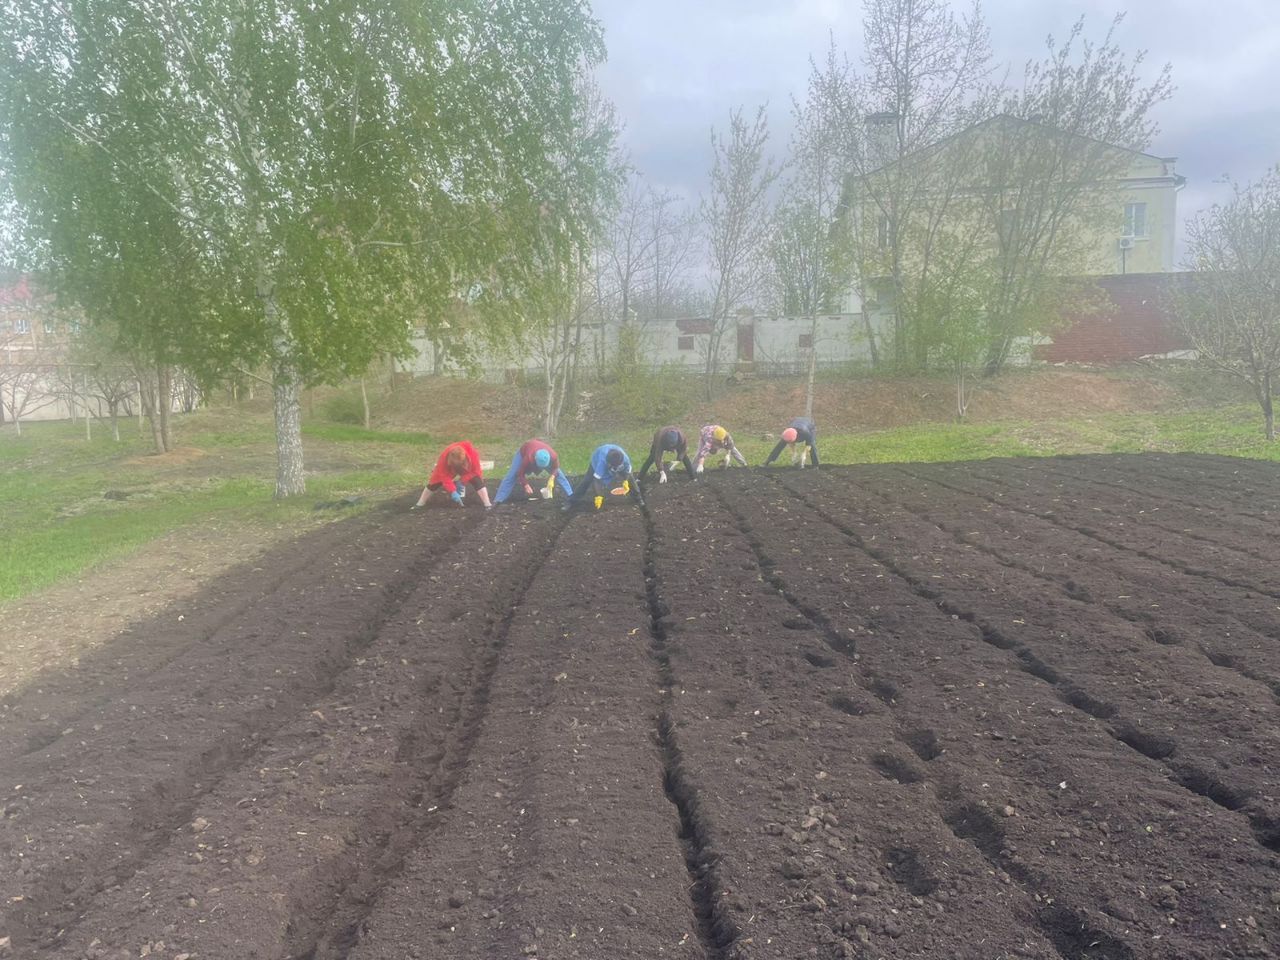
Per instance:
{"type": "Point", "coordinates": [343, 408]}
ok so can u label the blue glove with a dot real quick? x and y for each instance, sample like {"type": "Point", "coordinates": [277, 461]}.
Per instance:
{"type": "Point", "coordinates": [456, 497]}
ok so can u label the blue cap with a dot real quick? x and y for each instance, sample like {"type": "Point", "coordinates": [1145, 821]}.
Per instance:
{"type": "Point", "coordinates": [671, 439]}
{"type": "Point", "coordinates": [543, 459]}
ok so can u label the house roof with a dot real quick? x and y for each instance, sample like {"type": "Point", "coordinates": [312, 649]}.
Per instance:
{"type": "Point", "coordinates": [1009, 120]}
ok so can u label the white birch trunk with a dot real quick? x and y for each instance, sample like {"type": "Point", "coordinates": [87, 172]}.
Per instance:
{"type": "Point", "coordinates": [287, 393]}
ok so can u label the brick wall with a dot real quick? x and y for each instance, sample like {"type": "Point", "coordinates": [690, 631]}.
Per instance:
{"type": "Point", "coordinates": [1133, 320]}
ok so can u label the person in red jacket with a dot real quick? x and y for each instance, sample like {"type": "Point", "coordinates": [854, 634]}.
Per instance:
{"type": "Point", "coordinates": [458, 467]}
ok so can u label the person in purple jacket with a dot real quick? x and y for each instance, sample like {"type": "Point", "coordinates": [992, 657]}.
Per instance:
{"type": "Point", "coordinates": [667, 440]}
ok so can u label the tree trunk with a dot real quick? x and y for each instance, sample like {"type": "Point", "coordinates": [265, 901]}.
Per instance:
{"type": "Point", "coordinates": [148, 406]}
{"type": "Point", "coordinates": [364, 399]}
{"type": "Point", "coordinates": [813, 367]}
{"type": "Point", "coordinates": [289, 477]}
{"type": "Point", "coordinates": [164, 399]}
{"type": "Point", "coordinates": [88, 416]}
{"type": "Point", "coordinates": [140, 432]}
{"type": "Point", "coordinates": [286, 392]}
{"type": "Point", "coordinates": [871, 338]}
{"type": "Point", "coordinates": [550, 417]}
{"type": "Point", "coordinates": [1267, 411]}
{"type": "Point", "coordinates": [113, 407]}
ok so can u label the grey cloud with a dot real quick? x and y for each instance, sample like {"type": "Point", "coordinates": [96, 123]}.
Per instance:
{"type": "Point", "coordinates": [677, 67]}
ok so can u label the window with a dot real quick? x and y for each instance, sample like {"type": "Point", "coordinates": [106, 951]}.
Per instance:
{"type": "Point", "coordinates": [22, 325]}
{"type": "Point", "coordinates": [1135, 219]}
{"type": "Point", "coordinates": [684, 343]}
{"type": "Point", "coordinates": [806, 341]}
{"type": "Point", "coordinates": [882, 232]}
{"type": "Point", "coordinates": [50, 327]}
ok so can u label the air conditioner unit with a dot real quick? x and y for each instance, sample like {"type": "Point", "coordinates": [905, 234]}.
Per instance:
{"type": "Point", "coordinates": [1126, 243]}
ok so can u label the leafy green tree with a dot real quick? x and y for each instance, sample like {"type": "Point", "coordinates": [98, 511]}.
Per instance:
{"type": "Point", "coordinates": [301, 181]}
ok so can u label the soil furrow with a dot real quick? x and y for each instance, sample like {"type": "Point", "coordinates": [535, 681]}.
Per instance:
{"type": "Point", "coordinates": [559, 839]}
{"type": "Point", "coordinates": [1093, 534]}
{"type": "Point", "coordinates": [1139, 488]}
{"type": "Point", "coordinates": [867, 713]}
{"type": "Point", "coordinates": [1195, 775]}
{"type": "Point", "coordinates": [1233, 611]}
{"type": "Point", "coordinates": [808, 772]}
{"type": "Point", "coordinates": [1065, 928]}
{"type": "Point", "coordinates": [1244, 486]}
{"type": "Point", "coordinates": [1067, 486]}
{"type": "Point", "coordinates": [341, 920]}
{"type": "Point", "coordinates": [36, 715]}
{"type": "Point", "coordinates": [1080, 752]}
{"type": "Point", "coordinates": [716, 928]}
{"type": "Point", "coordinates": [58, 877]}
{"type": "Point", "coordinates": [1082, 584]}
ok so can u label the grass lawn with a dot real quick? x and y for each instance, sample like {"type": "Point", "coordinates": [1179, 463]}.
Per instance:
{"type": "Point", "coordinates": [70, 503]}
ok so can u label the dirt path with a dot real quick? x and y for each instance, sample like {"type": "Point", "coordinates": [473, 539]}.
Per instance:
{"type": "Point", "coordinates": [957, 711]}
{"type": "Point", "coordinates": [50, 631]}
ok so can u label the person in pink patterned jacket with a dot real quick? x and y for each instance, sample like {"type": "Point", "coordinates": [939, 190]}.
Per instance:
{"type": "Point", "coordinates": [715, 439]}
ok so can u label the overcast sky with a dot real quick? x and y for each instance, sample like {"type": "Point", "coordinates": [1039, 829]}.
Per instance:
{"type": "Point", "coordinates": [676, 67]}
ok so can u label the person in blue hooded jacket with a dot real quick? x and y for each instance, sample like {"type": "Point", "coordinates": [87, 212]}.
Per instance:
{"type": "Point", "coordinates": [533, 457]}
{"type": "Point", "coordinates": [610, 468]}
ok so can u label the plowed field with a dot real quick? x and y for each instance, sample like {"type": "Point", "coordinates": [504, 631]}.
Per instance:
{"type": "Point", "coordinates": [981, 710]}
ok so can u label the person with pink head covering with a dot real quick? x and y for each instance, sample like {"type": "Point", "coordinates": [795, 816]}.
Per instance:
{"type": "Point", "coordinates": [802, 432]}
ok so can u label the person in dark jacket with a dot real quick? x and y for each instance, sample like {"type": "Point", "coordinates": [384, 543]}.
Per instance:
{"type": "Point", "coordinates": [610, 468]}
{"type": "Point", "coordinates": [667, 440]}
{"type": "Point", "coordinates": [802, 432]}
{"type": "Point", "coordinates": [533, 457]}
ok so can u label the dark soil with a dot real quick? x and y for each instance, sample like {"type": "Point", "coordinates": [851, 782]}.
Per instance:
{"type": "Point", "coordinates": [992, 710]}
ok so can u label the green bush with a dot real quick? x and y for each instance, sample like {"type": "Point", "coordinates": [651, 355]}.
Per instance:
{"type": "Point", "coordinates": [631, 391]}
{"type": "Point", "coordinates": [343, 408]}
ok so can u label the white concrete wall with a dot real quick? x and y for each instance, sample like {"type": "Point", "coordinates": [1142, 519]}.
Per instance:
{"type": "Point", "coordinates": [841, 339]}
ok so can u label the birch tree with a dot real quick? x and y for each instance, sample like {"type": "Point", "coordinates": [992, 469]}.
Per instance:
{"type": "Point", "coordinates": [811, 252]}
{"type": "Point", "coordinates": [925, 74]}
{"type": "Point", "coordinates": [736, 226]}
{"type": "Point", "coordinates": [335, 171]}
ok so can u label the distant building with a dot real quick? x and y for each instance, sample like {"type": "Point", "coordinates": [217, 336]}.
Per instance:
{"type": "Point", "coordinates": [1131, 233]}
{"type": "Point", "coordinates": [33, 344]}
{"type": "Point", "coordinates": [1134, 320]}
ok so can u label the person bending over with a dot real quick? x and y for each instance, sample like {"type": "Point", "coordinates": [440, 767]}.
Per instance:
{"type": "Point", "coordinates": [715, 440]}
{"type": "Point", "coordinates": [667, 440]}
{"type": "Point", "coordinates": [533, 457]}
{"type": "Point", "coordinates": [610, 468]}
{"type": "Point", "coordinates": [457, 468]}
{"type": "Point", "coordinates": [800, 432]}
